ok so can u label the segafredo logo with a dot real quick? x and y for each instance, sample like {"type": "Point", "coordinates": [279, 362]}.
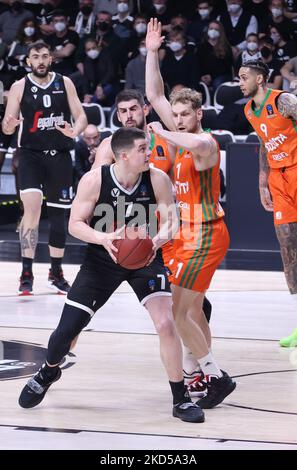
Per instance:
{"type": "Point", "coordinates": [19, 359]}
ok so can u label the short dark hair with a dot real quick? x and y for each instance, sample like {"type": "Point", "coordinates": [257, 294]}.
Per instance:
{"type": "Point", "coordinates": [58, 12]}
{"type": "Point", "coordinates": [129, 95]}
{"type": "Point", "coordinates": [259, 66]}
{"type": "Point", "coordinates": [124, 138]}
{"type": "Point", "coordinates": [37, 45]}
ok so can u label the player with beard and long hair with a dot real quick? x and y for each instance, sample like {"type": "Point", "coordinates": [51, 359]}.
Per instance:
{"type": "Point", "coordinates": [42, 104]}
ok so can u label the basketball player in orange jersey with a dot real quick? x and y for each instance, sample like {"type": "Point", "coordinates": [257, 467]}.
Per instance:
{"type": "Point", "coordinates": [132, 111]}
{"type": "Point", "coordinates": [273, 115]}
{"type": "Point", "coordinates": [203, 239]}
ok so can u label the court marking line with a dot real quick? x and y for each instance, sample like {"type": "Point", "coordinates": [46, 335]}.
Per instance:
{"type": "Point", "coordinates": [77, 431]}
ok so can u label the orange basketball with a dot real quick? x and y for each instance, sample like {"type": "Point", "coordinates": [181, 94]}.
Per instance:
{"type": "Point", "coordinates": [133, 253]}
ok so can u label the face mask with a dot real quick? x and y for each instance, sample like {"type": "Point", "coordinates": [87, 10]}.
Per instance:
{"type": "Point", "coordinates": [29, 31]}
{"type": "Point", "coordinates": [265, 52]}
{"type": "Point", "coordinates": [60, 26]}
{"type": "Point", "coordinates": [175, 46]}
{"type": "Point", "coordinates": [158, 7]}
{"type": "Point", "coordinates": [204, 13]}
{"type": "Point", "coordinates": [213, 33]}
{"type": "Point", "coordinates": [123, 7]}
{"type": "Point", "coordinates": [275, 38]}
{"type": "Point", "coordinates": [17, 6]}
{"type": "Point", "coordinates": [143, 51]}
{"type": "Point", "coordinates": [252, 46]}
{"type": "Point", "coordinates": [103, 25]}
{"type": "Point", "coordinates": [276, 12]}
{"type": "Point", "coordinates": [86, 10]}
{"type": "Point", "coordinates": [234, 8]}
{"type": "Point", "coordinates": [141, 28]}
{"type": "Point", "coordinates": [93, 53]}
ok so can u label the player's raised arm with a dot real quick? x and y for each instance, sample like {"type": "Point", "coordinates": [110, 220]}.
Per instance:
{"type": "Point", "coordinates": [153, 79]}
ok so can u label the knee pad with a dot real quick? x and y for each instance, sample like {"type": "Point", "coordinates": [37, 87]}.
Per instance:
{"type": "Point", "coordinates": [57, 220]}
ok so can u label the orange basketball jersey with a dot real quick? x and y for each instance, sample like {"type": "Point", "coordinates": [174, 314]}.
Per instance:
{"type": "Point", "coordinates": [279, 134]}
{"type": "Point", "coordinates": [160, 157]}
{"type": "Point", "coordinates": [197, 192]}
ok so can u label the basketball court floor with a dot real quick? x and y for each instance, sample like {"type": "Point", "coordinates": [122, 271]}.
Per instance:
{"type": "Point", "coordinates": [114, 393]}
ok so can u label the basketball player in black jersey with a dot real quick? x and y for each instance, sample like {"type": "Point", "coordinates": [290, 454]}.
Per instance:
{"type": "Point", "coordinates": [42, 104]}
{"type": "Point", "coordinates": [130, 182]}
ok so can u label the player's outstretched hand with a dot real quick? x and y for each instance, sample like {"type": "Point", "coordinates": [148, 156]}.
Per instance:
{"type": "Point", "coordinates": [154, 38]}
{"type": "Point", "coordinates": [66, 130]}
{"type": "Point", "coordinates": [10, 122]}
{"type": "Point", "coordinates": [155, 126]}
{"type": "Point", "coordinates": [108, 242]}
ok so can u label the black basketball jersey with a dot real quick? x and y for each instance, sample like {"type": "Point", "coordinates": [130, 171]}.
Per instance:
{"type": "Point", "coordinates": [42, 107]}
{"type": "Point", "coordinates": [117, 206]}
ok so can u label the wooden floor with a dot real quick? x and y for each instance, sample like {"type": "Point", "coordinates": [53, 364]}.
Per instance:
{"type": "Point", "coordinates": [114, 392]}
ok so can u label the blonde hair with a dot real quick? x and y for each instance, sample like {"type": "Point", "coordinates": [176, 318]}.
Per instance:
{"type": "Point", "coordinates": [185, 96]}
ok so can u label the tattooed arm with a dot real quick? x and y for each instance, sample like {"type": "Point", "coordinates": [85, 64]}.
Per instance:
{"type": "Point", "coordinates": [263, 179]}
{"type": "Point", "coordinates": [287, 105]}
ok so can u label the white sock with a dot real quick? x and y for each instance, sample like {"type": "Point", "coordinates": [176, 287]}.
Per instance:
{"type": "Point", "coordinates": [191, 365]}
{"type": "Point", "coordinates": [209, 366]}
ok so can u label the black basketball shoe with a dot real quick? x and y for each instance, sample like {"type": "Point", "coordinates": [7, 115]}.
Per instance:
{"type": "Point", "coordinates": [218, 388]}
{"type": "Point", "coordinates": [35, 389]}
{"type": "Point", "coordinates": [26, 283]}
{"type": "Point", "coordinates": [188, 411]}
{"type": "Point", "coordinates": [58, 283]}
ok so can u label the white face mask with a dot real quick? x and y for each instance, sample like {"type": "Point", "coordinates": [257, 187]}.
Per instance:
{"type": "Point", "coordinates": [275, 38]}
{"type": "Point", "coordinates": [252, 46]}
{"type": "Point", "coordinates": [60, 26]}
{"type": "Point", "coordinates": [158, 7]}
{"type": "Point", "coordinates": [143, 51]}
{"type": "Point", "coordinates": [276, 12]}
{"type": "Point", "coordinates": [204, 13]}
{"type": "Point", "coordinates": [175, 46]}
{"type": "Point", "coordinates": [141, 28]}
{"type": "Point", "coordinates": [93, 53]}
{"type": "Point", "coordinates": [123, 7]}
{"type": "Point", "coordinates": [234, 8]}
{"type": "Point", "coordinates": [213, 33]}
{"type": "Point", "coordinates": [29, 31]}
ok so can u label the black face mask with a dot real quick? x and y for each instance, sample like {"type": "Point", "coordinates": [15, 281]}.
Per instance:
{"type": "Point", "coordinates": [17, 6]}
{"type": "Point", "coordinates": [86, 10]}
{"type": "Point", "coordinates": [266, 52]}
{"type": "Point", "coordinates": [103, 25]}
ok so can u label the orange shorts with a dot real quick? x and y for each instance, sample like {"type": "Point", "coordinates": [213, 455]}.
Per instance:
{"type": "Point", "coordinates": [283, 188]}
{"type": "Point", "coordinates": [195, 261]}
{"type": "Point", "coordinates": [167, 253]}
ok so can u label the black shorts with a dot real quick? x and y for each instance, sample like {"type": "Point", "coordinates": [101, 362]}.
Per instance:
{"type": "Point", "coordinates": [100, 277]}
{"type": "Point", "coordinates": [49, 172]}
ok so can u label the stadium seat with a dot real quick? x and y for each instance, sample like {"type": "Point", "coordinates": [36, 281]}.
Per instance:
{"type": "Point", "coordinates": [223, 137]}
{"type": "Point", "coordinates": [252, 137]}
{"type": "Point", "coordinates": [206, 101]}
{"type": "Point", "coordinates": [209, 117]}
{"type": "Point", "coordinates": [95, 114]}
{"type": "Point", "coordinates": [227, 93]}
{"type": "Point", "coordinates": [114, 123]}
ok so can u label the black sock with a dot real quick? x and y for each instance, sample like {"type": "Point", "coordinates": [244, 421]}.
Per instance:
{"type": "Point", "coordinates": [27, 265]}
{"type": "Point", "coordinates": [56, 266]}
{"type": "Point", "coordinates": [179, 392]}
{"type": "Point", "coordinates": [50, 372]}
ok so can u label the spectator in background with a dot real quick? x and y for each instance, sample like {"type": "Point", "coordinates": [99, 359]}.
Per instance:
{"type": "Point", "coordinates": [267, 49]}
{"type": "Point", "coordinates": [135, 70]}
{"type": "Point", "coordinates": [44, 18]}
{"type": "Point", "coordinates": [139, 31]}
{"type": "Point", "coordinates": [252, 52]}
{"type": "Point", "coordinates": [11, 20]}
{"type": "Point", "coordinates": [284, 48]}
{"type": "Point", "coordinates": [277, 18]}
{"type": "Point", "coordinates": [98, 77]}
{"type": "Point", "coordinates": [289, 73]}
{"type": "Point", "coordinates": [162, 11]}
{"type": "Point", "coordinates": [18, 50]}
{"type": "Point", "coordinates": [257, 8]}
{"type": "Point", "coordinates": [238, 24]}
{"type": "Point", "coordinates": [85, 150]}
{"type": "Point", "coordinates": [215, 56]}
{"type": "Point", "coordinates": [201, 20]}
{"type": "Point", "coordinates": [179, 66]}
{"type": "Point", "coordinates": [105, 5]}
{"type": "Point", "coordinates": [179, 24]}
{"type": "Point", "coordinates": [123, 22]}
{"type": "Point", "coordinates": [291, 9]}
{"type": "Point", "coordinates": [85, 19]}
{"type": "Point", "coordinates": [63, 43]}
